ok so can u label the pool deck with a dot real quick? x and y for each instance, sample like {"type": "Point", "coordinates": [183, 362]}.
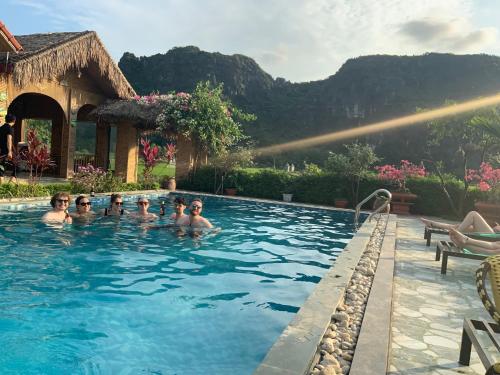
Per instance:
{"type": "Point", "coordinates": [429, 308]}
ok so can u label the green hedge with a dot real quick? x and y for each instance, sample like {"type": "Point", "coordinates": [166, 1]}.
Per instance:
{"type": "Point", "coordinates": [35, 190]}
{"type": "Point", "coordinates": [46, 190]}
{"type": "Point", "coordinates": [321, 188]}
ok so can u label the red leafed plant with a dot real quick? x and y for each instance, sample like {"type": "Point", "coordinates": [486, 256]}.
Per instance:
{"type": "Point", "coordinates": [36, 156]}
{"type": "Point", "coordinates": [151, 155]}
{"type": "Point", "coordinates": [170, 150]}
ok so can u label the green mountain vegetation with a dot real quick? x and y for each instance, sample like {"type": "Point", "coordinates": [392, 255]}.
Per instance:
{"type": "Point", "coordinates": [364, 90]}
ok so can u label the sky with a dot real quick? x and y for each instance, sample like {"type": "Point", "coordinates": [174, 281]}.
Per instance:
{"type": "Point", "coordinates": [299, 40]}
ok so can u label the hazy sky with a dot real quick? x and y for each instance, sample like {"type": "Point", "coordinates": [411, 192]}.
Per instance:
{"type": "Point", "coordinates": [300, 40]}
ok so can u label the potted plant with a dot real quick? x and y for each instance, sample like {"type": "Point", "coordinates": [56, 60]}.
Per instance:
{"type": "Point", "coordinates": [402, 198]}
{"type": "Point", "coordinates": [287, 196]}
{"type": "Point", "coordinates": [487, 179]}
{"type": "Point", "coordinates": [230, 184]}
{"type": "Point", "coordinates": [340, 200]}
{"type": "Point", "coordinates": [168, 182]}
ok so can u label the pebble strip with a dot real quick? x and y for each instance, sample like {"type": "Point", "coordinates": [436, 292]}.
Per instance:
{"type": "Point", "coordinates": [338, 343]}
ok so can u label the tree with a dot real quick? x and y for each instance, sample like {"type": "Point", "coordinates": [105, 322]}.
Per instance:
{"type": "Point", "coordinates": [469, 134]}
{"type": "Point", "coordinates": [211, 122]}
{"type": "Point", "coordinates": [354, 165]}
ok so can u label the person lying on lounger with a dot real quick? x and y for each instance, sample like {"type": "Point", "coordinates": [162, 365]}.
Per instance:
{"type": "Point", "coordinates": [473, 222]}
{"type": "Point", "coordinates": [477, 246]}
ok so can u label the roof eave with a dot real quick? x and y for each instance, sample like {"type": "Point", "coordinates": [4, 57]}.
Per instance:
{"type": "Point", "coordinates": [9, 38]}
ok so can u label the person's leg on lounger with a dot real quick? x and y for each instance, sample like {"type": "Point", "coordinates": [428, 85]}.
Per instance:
{"type": "Point", "coordinates": [485, 247]}
{"type": "Point", "coordinates": [472, 222]}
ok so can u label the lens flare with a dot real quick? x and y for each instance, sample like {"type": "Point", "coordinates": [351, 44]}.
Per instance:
{"type": "Point", "coordinates": [377, 127]}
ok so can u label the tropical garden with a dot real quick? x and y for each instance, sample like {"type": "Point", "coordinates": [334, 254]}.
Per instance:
{"type": "Point", "coordinates": [431, 186]}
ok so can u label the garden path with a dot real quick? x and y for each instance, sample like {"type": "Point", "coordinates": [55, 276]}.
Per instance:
{"type": "Point", "coordinates": [429, 308]}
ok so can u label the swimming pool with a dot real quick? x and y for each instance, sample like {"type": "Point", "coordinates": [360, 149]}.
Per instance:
{"type": "Point", "coordinates": [112, 298]}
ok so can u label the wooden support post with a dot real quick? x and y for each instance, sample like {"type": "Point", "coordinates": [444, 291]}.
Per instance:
{"type": "Point", "coordinates": [127, 152]}
{"type": "Point", "coordinates": [55, 144]}
{"type": "Point", "coordinates": [102, 146]}
{"type": "Point", "coordinates": [19, 131]}
{"type": "Point", "coordinates": [184, 158]}
{"type": "Point", "coordinates": [67, 149]}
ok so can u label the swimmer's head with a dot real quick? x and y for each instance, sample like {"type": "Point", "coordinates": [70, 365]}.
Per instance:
{"type": "Point", "coordinates": [196, 206]}
{"type": "Point", "coordinates": [83, 204]}
{"type": "Point", "coordinates": [60, 200]}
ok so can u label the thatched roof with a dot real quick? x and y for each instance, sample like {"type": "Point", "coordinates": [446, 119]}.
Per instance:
{"type": "Point", "coordinates": [46, 56]}
{"type": "Point", "coordinates": [141, 115]}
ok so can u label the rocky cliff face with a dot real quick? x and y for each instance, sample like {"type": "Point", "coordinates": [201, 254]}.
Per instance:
{"type": "Point", "coordinates": [365, 89]}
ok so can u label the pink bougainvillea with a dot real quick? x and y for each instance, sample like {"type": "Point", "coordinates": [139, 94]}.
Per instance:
{"type": "Point", "coordinates": [486, 177]}
{"type": "Point", "coordinates": [398, 175]}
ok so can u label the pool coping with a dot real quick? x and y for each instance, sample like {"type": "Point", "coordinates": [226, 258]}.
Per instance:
{"type": "Point", "coordinates": [295, 350]}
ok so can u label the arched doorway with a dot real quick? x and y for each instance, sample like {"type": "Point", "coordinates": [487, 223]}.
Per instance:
{"type": "Point", "coordinates": [85, 139]}
{"type": "Point", "coordinates": [42, 107]}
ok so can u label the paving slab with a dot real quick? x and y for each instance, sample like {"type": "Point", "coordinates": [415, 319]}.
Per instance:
{"type": "Point", "coordinates": [429, 308]}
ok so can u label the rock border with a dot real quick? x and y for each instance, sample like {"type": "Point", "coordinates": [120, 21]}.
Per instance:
{"type": "Point", "coordinates": [350, 323]}
{"type": "Point", "coordinates": [297, 347]}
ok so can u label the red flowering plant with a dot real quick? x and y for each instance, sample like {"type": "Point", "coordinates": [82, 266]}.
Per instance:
{"type": "Point", "coordinates": [399, 175]}
{"type": "Point", "coordinates": [150, 155]}
{"type": "Point", "coordinates": [487, 179]}
{"type": "Point", "coordinates": [170, 151]}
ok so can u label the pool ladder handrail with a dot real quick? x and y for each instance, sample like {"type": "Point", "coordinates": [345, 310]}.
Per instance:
{"type": "Point", "coordinates": [379, 209]}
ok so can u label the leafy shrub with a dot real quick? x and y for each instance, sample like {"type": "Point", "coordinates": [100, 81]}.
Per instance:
{"type": "Point", "coordinates": [320, 188]}
{"type": "Point", "coordinates": [94, 179]}
{"type": "Point", "coordinates": [31, 190]}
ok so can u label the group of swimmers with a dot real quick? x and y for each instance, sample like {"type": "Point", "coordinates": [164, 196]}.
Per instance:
{"type": "Point", "coordinates": [60, 203]}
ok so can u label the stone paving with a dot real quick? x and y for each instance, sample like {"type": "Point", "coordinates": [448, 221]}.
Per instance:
{"type": "Point", "coordinates": [429, 308]}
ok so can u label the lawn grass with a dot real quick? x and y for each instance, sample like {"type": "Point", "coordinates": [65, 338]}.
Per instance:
{"type": "Point", "coordinates": [160, 169]}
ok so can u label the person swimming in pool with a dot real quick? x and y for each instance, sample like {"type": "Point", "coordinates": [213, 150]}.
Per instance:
{"type": "Point", "coordinates": [83, 209]}
{"type": "Point", "coordinates": [59, 213]}
{"type": "Point", "coordinates": [142, 207]}
{"type": "Point", "coordinates": [194, 219]}
{"type": "Point", "coordinates": [115, 206]}
{"type": "Point", "coordinates": [179, 207]}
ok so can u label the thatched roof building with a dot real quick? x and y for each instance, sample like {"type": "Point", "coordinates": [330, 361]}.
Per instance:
{"type": "Point", "coordinates": [54, 54]}
{"type": "Point", "coordinates": [142, 116]}
{"type": "Point", "coordinates": [62, 77]}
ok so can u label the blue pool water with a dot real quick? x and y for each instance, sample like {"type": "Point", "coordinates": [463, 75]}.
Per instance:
{"type": "Point", "coordinates": [110, 298]}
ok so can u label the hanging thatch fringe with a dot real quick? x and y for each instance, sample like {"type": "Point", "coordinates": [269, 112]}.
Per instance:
{"type": "Point", "coordinates": [73, 54]}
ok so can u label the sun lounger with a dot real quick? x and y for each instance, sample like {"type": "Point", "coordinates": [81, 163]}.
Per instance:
{"type": "Point", "coordinates": [490, 267]}
{"type": "Point", "coordinates": [491, 237]}
{"type": "Point", "coordinates": [428, 233]}
{"type": "Point", "coordinates": [447, 249]}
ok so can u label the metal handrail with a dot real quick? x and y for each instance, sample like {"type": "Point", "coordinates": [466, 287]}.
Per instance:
{"type": "Point", "coordinates": [379, 209]}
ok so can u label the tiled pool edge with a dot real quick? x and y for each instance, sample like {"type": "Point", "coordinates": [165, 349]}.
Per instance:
{"type": "Point", "coordinates": [294, 351]}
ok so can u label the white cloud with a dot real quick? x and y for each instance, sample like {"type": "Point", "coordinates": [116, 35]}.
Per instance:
{"type": "Point", "coordinates": [448, 34]}
{"type": "Point", "coordinates": [296, 39]}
